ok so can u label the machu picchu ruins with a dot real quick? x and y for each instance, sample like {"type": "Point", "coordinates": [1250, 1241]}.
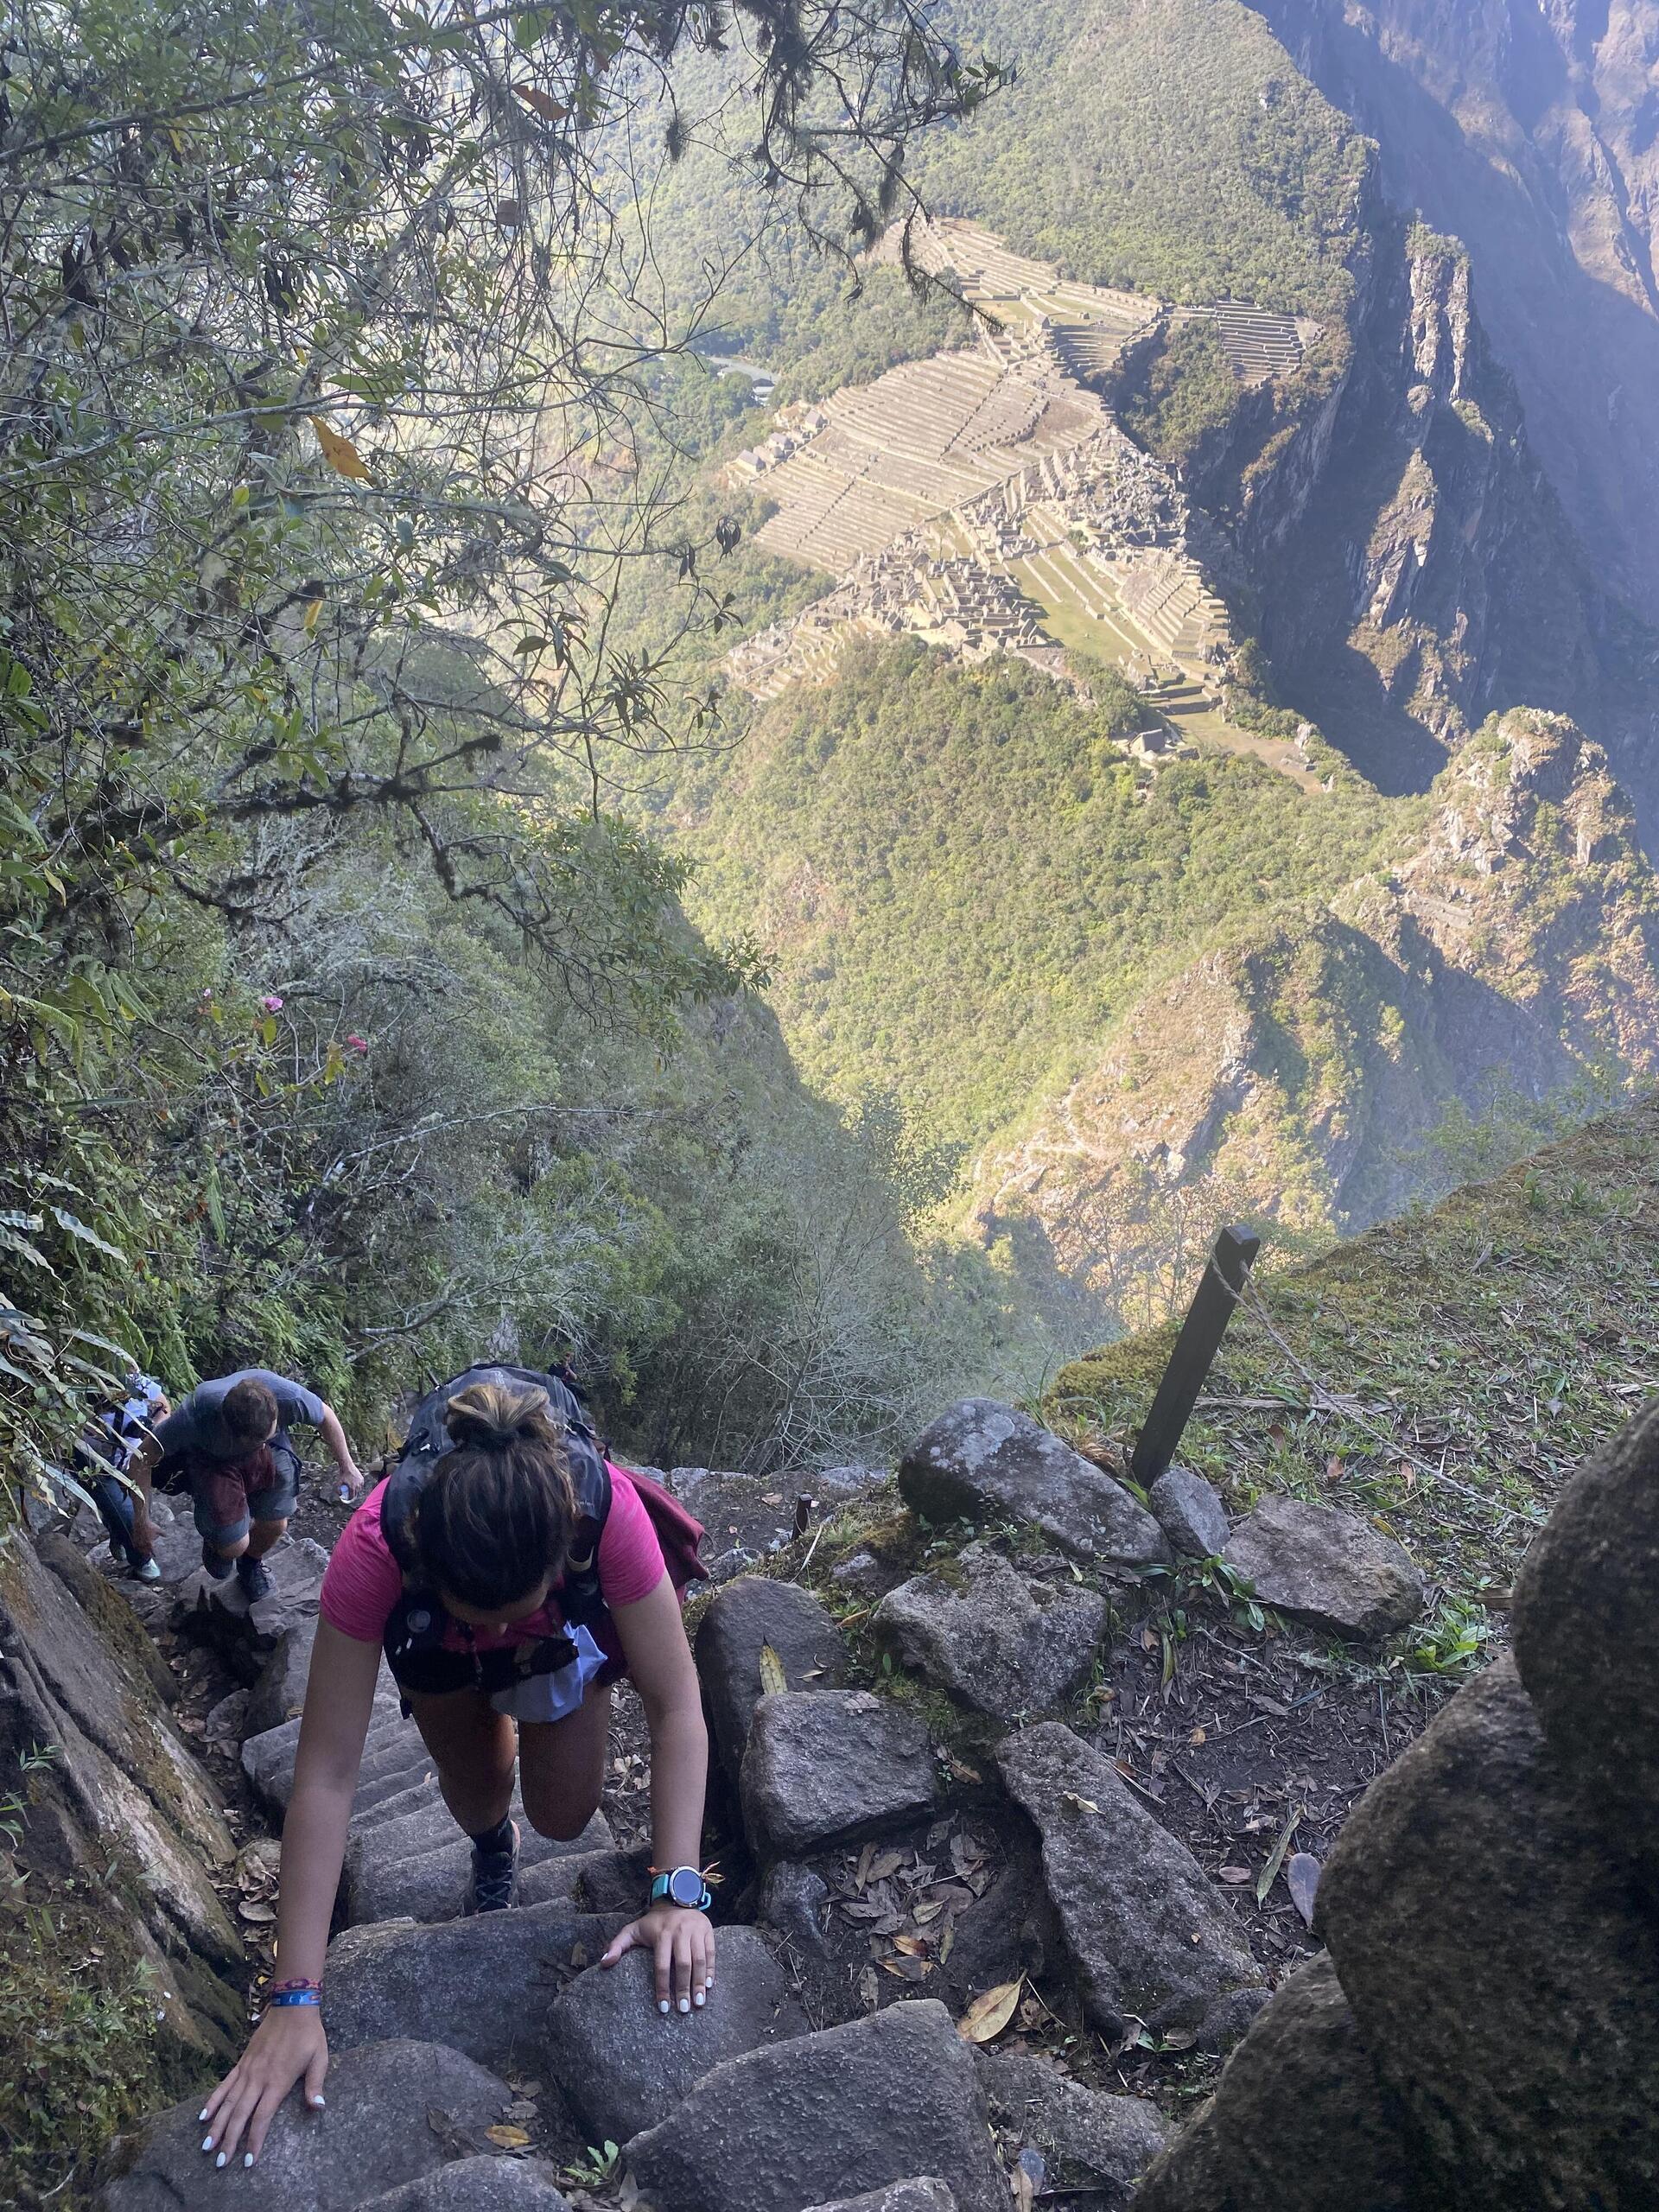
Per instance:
{"type": "Point", "coordinates": [986, 500]}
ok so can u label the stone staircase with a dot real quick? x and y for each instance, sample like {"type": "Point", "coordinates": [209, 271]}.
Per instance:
{"type": "Point", "coordinates": [827, 2073]}
{"type": "Point", "coordinates": [795, 2087]}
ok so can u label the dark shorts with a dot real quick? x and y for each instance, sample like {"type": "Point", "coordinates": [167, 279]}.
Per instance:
{"type": "Point", "coordinates": [225, 1510]}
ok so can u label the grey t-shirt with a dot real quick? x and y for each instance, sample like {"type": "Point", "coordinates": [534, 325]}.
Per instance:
{"type": "Point", "coordinates": [197, 1425]}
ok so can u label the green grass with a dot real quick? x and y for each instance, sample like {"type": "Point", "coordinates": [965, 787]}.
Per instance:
{"type": "Point", "coordinates": [1442, 1374]}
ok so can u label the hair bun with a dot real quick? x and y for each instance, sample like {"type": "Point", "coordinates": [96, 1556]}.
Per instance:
{"type": "Point", "coordinates": [490, 1418]}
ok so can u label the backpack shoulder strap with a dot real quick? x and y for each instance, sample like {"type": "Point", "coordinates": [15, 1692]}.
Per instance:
{"type": "Point", "coordinates": [397, 1503]}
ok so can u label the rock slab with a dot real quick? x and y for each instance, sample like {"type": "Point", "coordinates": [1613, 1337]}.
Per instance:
{"type": "Point", "coordinates": [492, 2185]}
{"type": "Point", "coordinates": [850, 2109]}
{"type": "Point", "coordinates": [982, 1460]}
{"type": "Point", "coordinates": [1002, 1643]}
{"type": "Point", "coordinates": [923, 2195]}
{"type": "Point", "coordinates": [1190, 1512]}
{"type": "Point", "coordinates": [372, 2136]}
{"type": "Point", "coordinates": [1586, 1634]}
{"type": "Point", "coordinates": [624, 2067]}
{"type": "Point", "coordinates": [482, 1986]}
{"type": "Point", "coordinates": [1299, 2121]}
{"type": "Point", "coordinates": [1502, 1968]}
{"type": "Point", "coordinates": [832, 1766]}
{"type": "Point", "coordinates": [1327, 1568]}
{"type": "Point", "coordinates": [1151, 1935]}
{"type": "Point", "coordinates": [1081, 2133]}
{"type": "Point", "coordinates": [278, 1692]}
{"type": "Point", "coordinates": [742, 1619]}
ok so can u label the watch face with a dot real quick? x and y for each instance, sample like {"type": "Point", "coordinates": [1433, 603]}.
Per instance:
{"type": "Point", "coordinates": [686, 1886]}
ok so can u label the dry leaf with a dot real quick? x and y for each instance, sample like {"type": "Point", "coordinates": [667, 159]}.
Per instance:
{"type": "Point", "coordinates": [869, 1990]}
{"type": "Point", "coordinates": [1269, 1873]}
{"type": "Point", "coordinates": [886, 1866]}
{"type": "Point", "coordinates": [988, 2016]}
{"type": "Point", "coordinates": [912, 1946]}
{"type": "Point", "coordinates": [546, 106]}
{"type": "Point", "coordinates": [1302, 1881]}
{"type": "Point", "coordinates": [907, 1969]}
{"type": "Point", "coordinates": [1080, 1804]}
{"type": "Point", "coordinates": [260, 1915]}
{"type": "Point", "coordinates": [313, 608]}
{"type": "Point", "coordinates": [342, 456]}
{"type": "Point", "coordinates": [1235, 1874]}
{"type": "Point", "coordinates": [960, 1769]}
{"type": "Point", "coordinates": [1197, 1737]}
{"type": "Point", "coordinates": [930, 1911]}
{"type": "Point", "coordinates": [510, 2139]}
{"type": "Point", "coordinates": [947, 1940]}
{"type": "Point", "coordinates": [773, 1677]}
{"type": "Point", "coordinates": [864, 1858]}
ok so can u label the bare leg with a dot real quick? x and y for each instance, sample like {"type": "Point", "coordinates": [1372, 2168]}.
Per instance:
{"type": "Point", "coordinates": [474, 1747]}
{"type": "Point", "coordinates": [259, 1539]}
{"type": "Point", "coordinates": [564, 1766]}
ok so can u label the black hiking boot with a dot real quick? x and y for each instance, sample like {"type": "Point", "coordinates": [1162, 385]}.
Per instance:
{"type": "Point", "coordinates": [495, 1878]}
{"type": "Point", "coordinates": [254, 1577]}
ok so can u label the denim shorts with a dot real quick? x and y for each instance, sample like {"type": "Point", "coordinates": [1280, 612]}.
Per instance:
{"type": "Point", "coordinates": [224, 1509]}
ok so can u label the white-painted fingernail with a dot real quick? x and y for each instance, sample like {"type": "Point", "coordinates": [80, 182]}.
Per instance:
{"type": "Point", "coordinates": [698, 1999]}
{"type": "Point", "coordinates": [247, 2157]}
{"type": "Point", "coordinates": [220, 2160]}
{"type": "Point", "coordinates": [662, 2004]}
{"type": "Point", "coordinates": [207, 2142]}
{"type": "Point", "coordinates": [202, 2114]}
{"type": "Point", "coordinates": [317, 2101]}
{"type": "Point", "coordinates": [685, 2003]}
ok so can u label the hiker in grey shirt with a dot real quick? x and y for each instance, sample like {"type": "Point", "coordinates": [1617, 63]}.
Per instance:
{"type": "Point", "coordinates": [228, 1445]}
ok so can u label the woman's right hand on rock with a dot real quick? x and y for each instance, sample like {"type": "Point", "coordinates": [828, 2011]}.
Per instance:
{"type": "Point", "coordinates": [288, 2044]}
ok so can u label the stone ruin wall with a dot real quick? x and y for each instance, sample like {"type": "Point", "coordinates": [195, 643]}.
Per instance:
{"type": "Point", "coordinates": [879, 484]}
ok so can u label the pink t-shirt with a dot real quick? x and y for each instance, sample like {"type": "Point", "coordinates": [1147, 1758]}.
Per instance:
{"type": "Point", "coordinates": [364, 1580]}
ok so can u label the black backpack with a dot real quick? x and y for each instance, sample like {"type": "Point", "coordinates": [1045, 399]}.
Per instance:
{"type": "Point", "coordinates": [415, 1639]}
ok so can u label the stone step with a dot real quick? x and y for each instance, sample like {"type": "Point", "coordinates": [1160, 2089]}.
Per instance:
{"type": "Point", "coordinates": [624, 2066]}
{"type": "Point", "coordinates": [824, 2116]}
{"type": "Point", "coordinates": [418, 1868]}
{"type": "Point", "coordinates": [483, 1985]}
{"type": "Point", "coordinates": [492, 2185]}
{"type": "Point", "coordinates": [374, 2135]}
{"type": "Point", "coordinates": [393, 1746]}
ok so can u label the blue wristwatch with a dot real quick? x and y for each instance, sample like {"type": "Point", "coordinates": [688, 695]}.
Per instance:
{"type": "Point", "coordinates": [682, 1886]}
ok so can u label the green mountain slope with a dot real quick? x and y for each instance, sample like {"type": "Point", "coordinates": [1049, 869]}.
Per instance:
{"type": "Point", "coordinates": [1145, 1000]}
{"type": "Point", "coordinates": [960, 879]}
{"type": "Point", "coordinates": [1167, 146]}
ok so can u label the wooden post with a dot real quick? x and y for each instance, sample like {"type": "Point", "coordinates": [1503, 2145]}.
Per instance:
{"type": "Point", "coordinates": [1196, 1347]}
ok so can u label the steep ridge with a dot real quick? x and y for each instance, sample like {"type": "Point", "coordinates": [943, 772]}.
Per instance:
{"type": "Point", "coordinates": [1530, 131]}
{"type": "Point", "coordinates": [1413, 568]}
{"type": "Point", "coordinates": [1298, 1072]}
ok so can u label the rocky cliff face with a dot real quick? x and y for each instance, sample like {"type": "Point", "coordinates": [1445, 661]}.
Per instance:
{"type": "Point", "coordinates": [1530, 128]}
{"type": "Point", "coordinates": [1414, 569]}
{"type": "Point", "coordinates": [1297, 1073]}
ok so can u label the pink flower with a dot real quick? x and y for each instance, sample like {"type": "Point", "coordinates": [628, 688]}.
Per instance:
{"type": "Point", "coordinates": [272, 1003]}
{"type": "Point", "coordinates": [358, 1043]}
